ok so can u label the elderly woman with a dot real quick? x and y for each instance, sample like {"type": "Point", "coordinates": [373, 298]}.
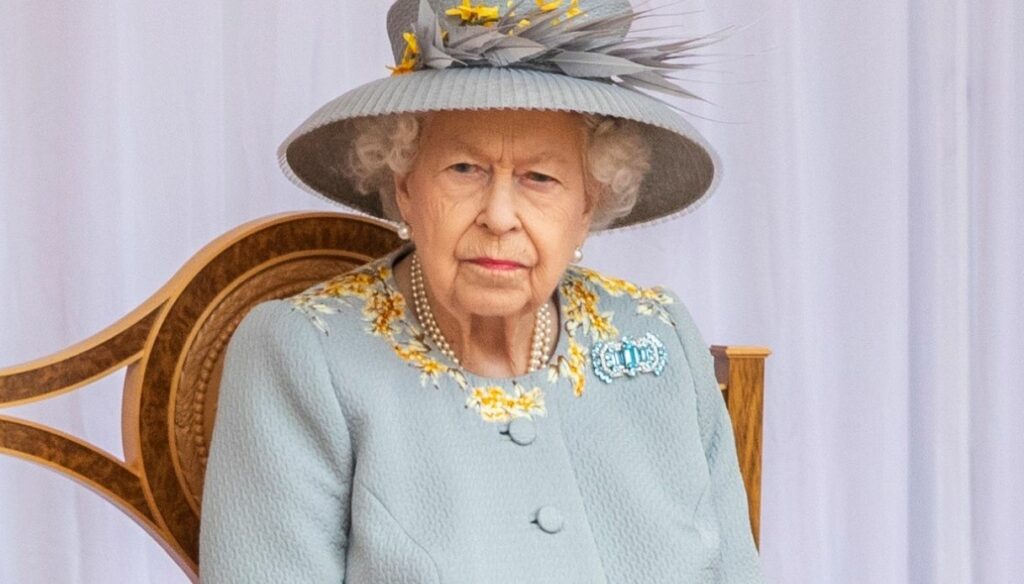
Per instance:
{"type": "Point", "coordinates": [475, 407]}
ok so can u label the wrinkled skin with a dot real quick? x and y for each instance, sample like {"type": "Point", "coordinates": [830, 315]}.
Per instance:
{"type": "Point", "coordinates": [507, 185]}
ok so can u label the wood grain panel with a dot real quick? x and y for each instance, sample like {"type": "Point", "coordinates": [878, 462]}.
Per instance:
{"type": "Point", "coordinates": [81, 364]}
{"type": "Point", "coordinates": [741, 371]}
{"type": "Point", "coordinates": [76, 459]}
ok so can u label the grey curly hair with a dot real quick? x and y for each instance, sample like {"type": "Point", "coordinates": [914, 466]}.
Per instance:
{"type": "Point", "coordinates": [616, 157]}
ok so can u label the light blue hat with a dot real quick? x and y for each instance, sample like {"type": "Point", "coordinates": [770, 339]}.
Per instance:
{"type": "Point", "coordinates": [565, 55]}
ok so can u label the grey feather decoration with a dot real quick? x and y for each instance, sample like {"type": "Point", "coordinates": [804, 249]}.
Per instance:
{"type": "Point", "coordinates": [569, 41]}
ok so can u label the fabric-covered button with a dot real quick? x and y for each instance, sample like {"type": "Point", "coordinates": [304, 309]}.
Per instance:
{"type": "Point", "coordinates": [549, 519]}
{"type": "Point", "coordinates": [522, 431]}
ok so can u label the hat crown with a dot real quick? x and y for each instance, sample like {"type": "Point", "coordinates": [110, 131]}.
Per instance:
{"type": "Point", "coordinates": [403, 14]}
{"type": "Point", "coordinates": [473, 55]}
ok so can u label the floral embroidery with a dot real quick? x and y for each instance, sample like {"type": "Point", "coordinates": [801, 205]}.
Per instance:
{"type": "Point", "coordinates": [572, 367]}
{"type": "Point", "coordinates": [582, 313]}
{"type": "Point", "coordinates": [326, 298]}
{"type": "Point", "coordinates": [384, 310]}
{"type": "Point", "coordinates": [495, 405]}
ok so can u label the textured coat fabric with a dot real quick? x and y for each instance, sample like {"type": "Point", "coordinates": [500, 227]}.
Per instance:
{"type": "Point", "coordinates": [344, 451]}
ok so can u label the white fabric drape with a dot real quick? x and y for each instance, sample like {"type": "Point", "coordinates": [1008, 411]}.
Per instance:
{"type": "Point", "coordinates": [868, 228]}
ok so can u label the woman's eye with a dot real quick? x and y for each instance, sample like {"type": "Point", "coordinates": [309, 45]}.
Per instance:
{"type": "Point", "coordinates": [538, 177]}
{"type": "Point", "coordinates": [463, 167]}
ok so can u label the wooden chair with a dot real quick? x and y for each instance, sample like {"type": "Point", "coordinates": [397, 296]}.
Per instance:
{"type": "Point", "coordinates": [173, 348]}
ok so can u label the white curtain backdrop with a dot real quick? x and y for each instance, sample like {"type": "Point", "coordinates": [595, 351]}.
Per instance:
{"type": "Point", "coordinates": [869, 228]}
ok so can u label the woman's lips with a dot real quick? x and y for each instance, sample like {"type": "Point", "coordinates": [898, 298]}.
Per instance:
{"type": "Point", "coordinates": [496, 264]}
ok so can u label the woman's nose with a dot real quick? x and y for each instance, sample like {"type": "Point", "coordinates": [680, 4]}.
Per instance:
{"type": "Point", "coordinates": [498, 213]}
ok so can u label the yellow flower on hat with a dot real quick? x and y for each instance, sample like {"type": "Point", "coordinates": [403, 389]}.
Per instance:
{"type": "Point", "coordinates": [412, 45]}
{"type": "Point", "coordinates": [521, 24]}
{"type": "Point", "coordinates": [478, 14]}
{"type": "Point", "coordinates": [574, 9]}
{"type": "Point", "coordinates": [409, 57]}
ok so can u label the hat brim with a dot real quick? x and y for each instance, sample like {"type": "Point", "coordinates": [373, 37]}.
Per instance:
{"type": "Point", "coordinates": [684, 167]}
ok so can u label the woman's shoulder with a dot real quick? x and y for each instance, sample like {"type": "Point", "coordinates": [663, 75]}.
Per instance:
{"type": "Point", "coordinates": [594, 292]}
{"type": "Point", "coordinates": [608, 307]}
{"type": "Point", "coordinates": [356, 294]}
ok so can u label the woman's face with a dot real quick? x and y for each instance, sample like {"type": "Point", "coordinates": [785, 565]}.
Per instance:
{"type": "Point", "coordinates": [496, 204]}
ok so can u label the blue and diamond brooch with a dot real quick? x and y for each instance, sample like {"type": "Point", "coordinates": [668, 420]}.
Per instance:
{"type": "Point", "coordinates": [629, 356]}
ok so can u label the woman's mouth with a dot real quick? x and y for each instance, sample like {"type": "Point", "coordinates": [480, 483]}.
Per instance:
{"type": "Point", "coordinates": [497, 264]}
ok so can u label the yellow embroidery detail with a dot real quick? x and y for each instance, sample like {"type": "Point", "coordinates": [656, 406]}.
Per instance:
{"type": "Point", "coordinates": [651, 300]}
{"type": "Point", "coordinates": [572, 367]}
{"type": "Point", "coordinates": [582, 311]}
{"type": "Point", "coordinates": [495, 405]}
{"type": "Point", "coordinates": [383, 309]}
{"type": "Point", "coordinates": [583, 315]}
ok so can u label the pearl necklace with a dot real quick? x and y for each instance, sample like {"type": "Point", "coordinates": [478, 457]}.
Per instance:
{"type": "Point", "coordinates": [541, 326]}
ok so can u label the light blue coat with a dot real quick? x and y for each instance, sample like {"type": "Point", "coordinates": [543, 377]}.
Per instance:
{"type": "Point", "coordinates": [346, 450]}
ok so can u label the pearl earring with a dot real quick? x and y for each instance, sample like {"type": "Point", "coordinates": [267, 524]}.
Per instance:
{"type": "Point", "coordinates": [577, 255]}
{"type": "Point", "coordinates": [403, 231]}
